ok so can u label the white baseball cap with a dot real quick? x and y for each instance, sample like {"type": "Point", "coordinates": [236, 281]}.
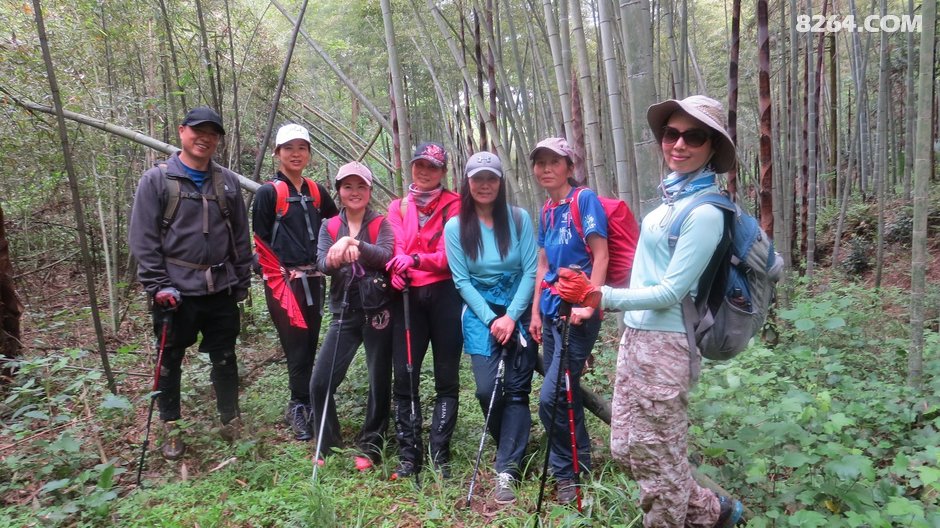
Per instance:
{"type": "Point", "coordinates": [290, 132]}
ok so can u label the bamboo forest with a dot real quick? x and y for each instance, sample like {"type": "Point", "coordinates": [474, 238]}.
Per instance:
{"type": "Point", "coordinates": [256, 270]}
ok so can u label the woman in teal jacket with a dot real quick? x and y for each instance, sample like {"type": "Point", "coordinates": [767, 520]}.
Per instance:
{"type": "Point", "coordinates": [492, 255]}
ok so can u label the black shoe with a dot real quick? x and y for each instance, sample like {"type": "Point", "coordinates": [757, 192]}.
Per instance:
{"type": "Point", "coordinates": [405, 469]}
{"type": "Point", "coordinates": [730, 513]}
{"type": "Point", "coordinates": [299, 420]}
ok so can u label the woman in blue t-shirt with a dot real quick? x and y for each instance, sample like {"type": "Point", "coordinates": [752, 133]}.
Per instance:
{"type": "Point", "coordinates": [562, 245]}
{"type": "Point", "coordinates": [492, 256]}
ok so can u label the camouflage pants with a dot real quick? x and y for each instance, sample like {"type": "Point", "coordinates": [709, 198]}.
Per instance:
{"type": "Point", "coordinates": [649, 429]}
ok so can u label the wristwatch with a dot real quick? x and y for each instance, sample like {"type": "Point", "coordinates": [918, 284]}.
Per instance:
{"type": "Point", "coordinates": [417, 260]}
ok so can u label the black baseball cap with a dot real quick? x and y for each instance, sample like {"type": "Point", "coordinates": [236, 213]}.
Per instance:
{"type": "Point", "coordinates": [203, 114]}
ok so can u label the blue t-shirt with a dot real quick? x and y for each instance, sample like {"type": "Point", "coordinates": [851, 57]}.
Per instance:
{"type": "Point", "coordinates": [197, 176]}
{"type": "Point", "coordinates": [562, 243]}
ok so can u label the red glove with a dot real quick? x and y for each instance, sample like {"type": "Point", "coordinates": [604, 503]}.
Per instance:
{"type": "Point", "coordinates": [168, 298]}
{"type": "Point", "coordinates": [575, 287]}
{"type": "Point", "coordinates": [400, 263]}
{"type": "Point", "coordinates": [399, 282]}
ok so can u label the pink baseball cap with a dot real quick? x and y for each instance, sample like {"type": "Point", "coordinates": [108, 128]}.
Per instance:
{"type": "Point", "coordinates": [354, 168]}
{"type": "Point", "coordinates": [558, 145]}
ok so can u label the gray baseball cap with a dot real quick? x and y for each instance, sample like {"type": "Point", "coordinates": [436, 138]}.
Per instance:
{"type": "Point", "coordinates": [483, 162]}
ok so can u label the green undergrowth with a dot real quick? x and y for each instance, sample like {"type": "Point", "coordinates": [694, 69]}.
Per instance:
{"type": "Point", "coordinates": [820, 430]}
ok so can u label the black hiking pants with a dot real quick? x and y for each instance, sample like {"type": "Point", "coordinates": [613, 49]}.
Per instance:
{"type": "Point", "coordinates": [217, 318]}
{"type": "Point", "coordinates": [373, 330]}
{"type": "Point", "coordinates": [299, 344]}
{"type": "Point", "coordinates": [435, 320]}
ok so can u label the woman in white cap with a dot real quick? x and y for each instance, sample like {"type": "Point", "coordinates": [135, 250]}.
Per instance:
{"type": "Point", "coordinates": [353, 249]}
{"type": "Point", "coordinates": [562, 244]}
{"type": "Point", "coordinates": [492, 255]}
{"type": "Point", "coordinates": [287, 215]}
{"type": "Point", "coordinates": [655, 371]}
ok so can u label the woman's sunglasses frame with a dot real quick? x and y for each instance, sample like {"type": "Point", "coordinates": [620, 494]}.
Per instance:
{"type": "Point", "coordinates": [693, 137]}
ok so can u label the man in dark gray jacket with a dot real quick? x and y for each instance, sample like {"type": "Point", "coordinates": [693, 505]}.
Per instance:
{"type": "Point", "coordinates": [189, 234]}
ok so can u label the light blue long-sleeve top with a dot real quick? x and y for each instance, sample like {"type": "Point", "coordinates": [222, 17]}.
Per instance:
{"type": "Point", "coordinates": [489, 270]}
{"type": "Point", "coordinates": [660, 280]}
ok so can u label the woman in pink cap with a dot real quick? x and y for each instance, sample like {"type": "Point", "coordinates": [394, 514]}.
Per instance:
{"type": "Point", "coordinates": [561, 245]}
{"type": "Point", "coordinates": [655, 366]}
{"type": "Point", "coordinates": [353, 250]}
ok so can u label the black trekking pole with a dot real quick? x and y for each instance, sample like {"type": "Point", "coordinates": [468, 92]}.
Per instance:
{"type": "Point", "coordinates": [165, 318]}
{"type": "Point", "coordinates": [500, 374]}
{"type": "Point", "coordinates": [406, 305]}
{"type": "Point", "coordinates": [564, 312]}
{"type": "Point", "coordinates": [355, 270]}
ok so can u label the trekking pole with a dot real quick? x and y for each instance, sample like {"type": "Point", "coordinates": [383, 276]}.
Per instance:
{"type": "Point", "coordinates": [500, 373]}
{"type": "Point", "coordinates": [406, 302]}
{"type": "Point", "coordinates": [165, 317]}
{"type": "Point", "coordinates": [571, 429]}
{"type": "Point", "coordinates": [564, 313]}
{"type": "Point", "coordinates": [355, 271]}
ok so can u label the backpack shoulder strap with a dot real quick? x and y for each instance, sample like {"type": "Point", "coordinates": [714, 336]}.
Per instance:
{"type": "Point", "coordinates": [332, 226]}
{"type": "Point", "coordinates": [172, 198]}
{"type": "Point", "coordinates": [516, 214]}
{"type": "Point", "coordinates": [544, 214]}
{"type": "Point", "coordinates": [717, 199]}
{"type": "Point", "coordinates": [281, 192]}
{"type": "Point", "coordinates": [374, 226]}
{"type": "Point", "coordinates": [218, 183]}
{"type": "Point", "coordinates": [314, 192]}
{"type": "Point", "coordinates": [576, 216]}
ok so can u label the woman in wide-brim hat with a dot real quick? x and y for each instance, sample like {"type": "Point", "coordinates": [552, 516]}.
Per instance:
{"type": "Point", "coordinates": [655, 370]}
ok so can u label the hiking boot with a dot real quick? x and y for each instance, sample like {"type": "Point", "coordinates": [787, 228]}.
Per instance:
{"type": "Point", "coordinates": [232, 430]}
{"type": "Point", "coordinates": [173, 446]}
{"type": "Point", "coordinates": [405, 469]}
{"type": "Point", "coordinates": [504, 493]}
{"type": "Point", "coordinates": [730, 512]}
{"type": "Point", "coordinates": [299, 420]}
{"type": "Point", "coordinates": [566, 491]}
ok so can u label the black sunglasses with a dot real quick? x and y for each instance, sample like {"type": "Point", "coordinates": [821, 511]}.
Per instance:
{"type": "Point", "coordinates": [694, 137]}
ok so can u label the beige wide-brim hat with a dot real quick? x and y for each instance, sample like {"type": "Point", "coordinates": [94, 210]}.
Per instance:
{"type": "Point", "coordinates": [707, 111]}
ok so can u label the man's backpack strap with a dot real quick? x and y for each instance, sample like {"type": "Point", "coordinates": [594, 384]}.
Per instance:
{"type": "Point", "coordinates": [172, 199]}
{"type": "Point", "coordinates": [218, 183]}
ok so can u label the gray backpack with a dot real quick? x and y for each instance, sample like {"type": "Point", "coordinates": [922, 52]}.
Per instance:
{"type": "Point", "coordinates": [736, 289]}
